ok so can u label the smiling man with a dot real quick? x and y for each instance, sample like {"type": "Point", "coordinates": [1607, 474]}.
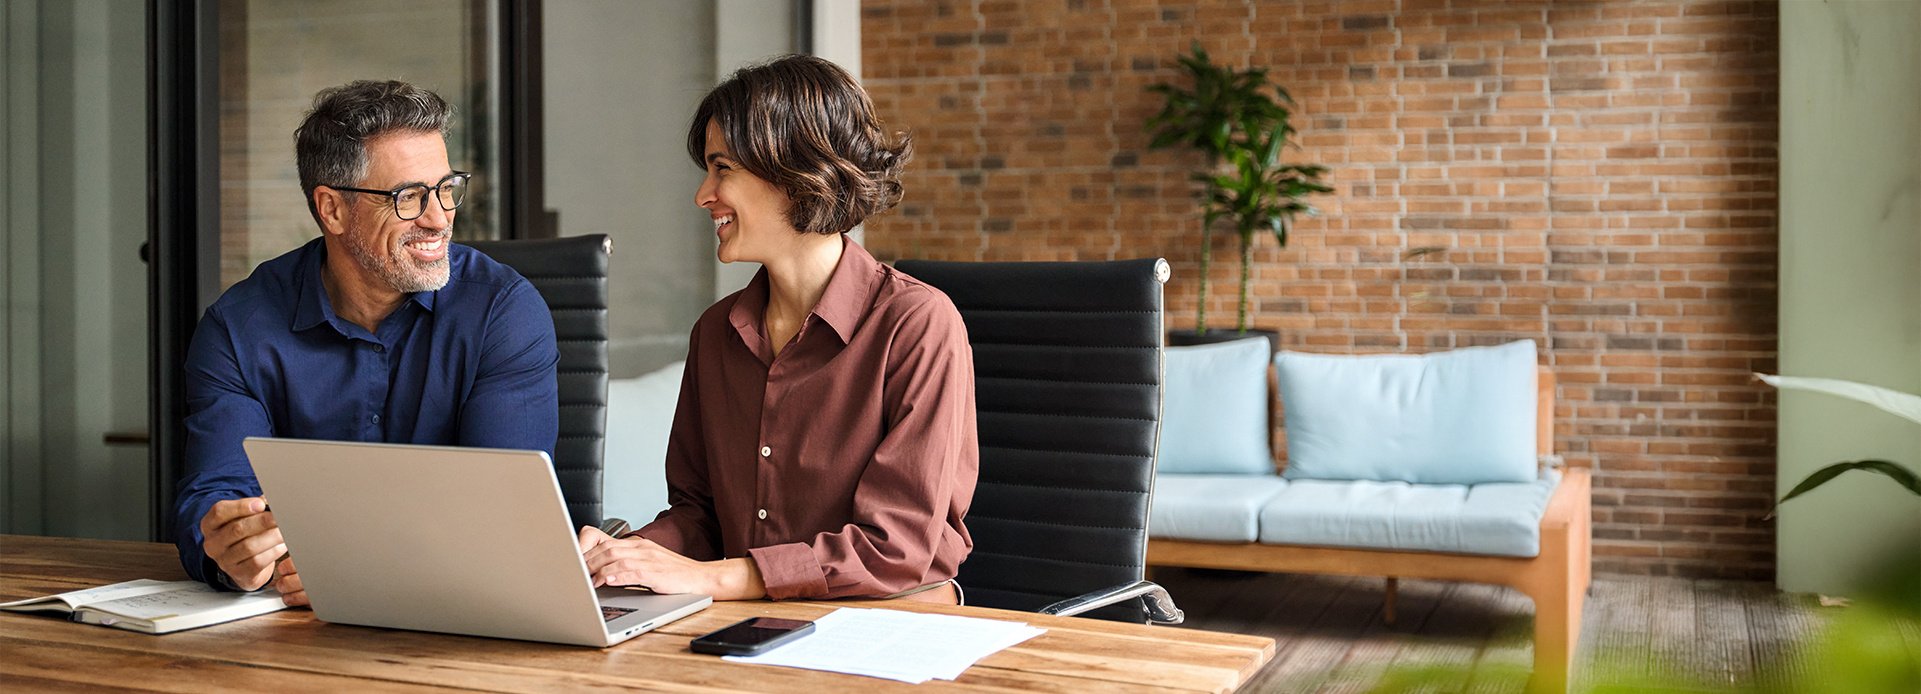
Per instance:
{"type": "Point", "coordinates": [381, 330]}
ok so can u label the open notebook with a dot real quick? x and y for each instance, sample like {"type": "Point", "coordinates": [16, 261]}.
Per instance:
{"type": "Point", "coordinates": [152, 607]}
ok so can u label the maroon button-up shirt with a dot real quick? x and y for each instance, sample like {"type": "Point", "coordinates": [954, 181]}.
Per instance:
{"type": "Point", "coordinates": [843, 467]}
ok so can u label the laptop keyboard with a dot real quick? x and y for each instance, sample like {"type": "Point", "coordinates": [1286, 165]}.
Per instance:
{"type": "Point", "coordinates": [608, 614]}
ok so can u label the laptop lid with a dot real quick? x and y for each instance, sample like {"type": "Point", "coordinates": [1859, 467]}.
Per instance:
{"type": "Point", "coordinates": [445, 539]}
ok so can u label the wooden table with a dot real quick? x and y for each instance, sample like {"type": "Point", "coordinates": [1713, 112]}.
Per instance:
{"type": "Point", "coordinates": [292, 651]}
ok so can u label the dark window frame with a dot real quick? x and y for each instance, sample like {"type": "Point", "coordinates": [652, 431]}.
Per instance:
{"type": "Point", "coordinates": [183, 166]}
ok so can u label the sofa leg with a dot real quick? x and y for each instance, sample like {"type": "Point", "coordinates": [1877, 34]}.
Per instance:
{"type": "Point", "coordinates": [1557, 629]}
{"type": "Point", "coordinates": [1559, 591]}
{"type": "Point", "coordinates": [1387, 609]}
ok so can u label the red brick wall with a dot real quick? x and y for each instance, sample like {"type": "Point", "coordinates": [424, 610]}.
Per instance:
{"type": "Point", "coordinates": [1601, 176]}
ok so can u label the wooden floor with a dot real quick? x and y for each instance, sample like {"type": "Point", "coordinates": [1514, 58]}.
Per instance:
{"type": "Point", "coordinates": [1463, 637]}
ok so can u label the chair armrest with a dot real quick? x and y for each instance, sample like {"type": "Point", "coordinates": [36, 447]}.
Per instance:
{"type": "Point", "coordinates": [1160, 606]}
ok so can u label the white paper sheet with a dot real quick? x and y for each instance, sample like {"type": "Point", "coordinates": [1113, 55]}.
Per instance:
{"type": "Point", "coordinates": [904, 646]}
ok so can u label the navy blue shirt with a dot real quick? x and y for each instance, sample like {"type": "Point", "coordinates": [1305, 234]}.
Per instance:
{"type": "Point", "coordinates": [470, 365]}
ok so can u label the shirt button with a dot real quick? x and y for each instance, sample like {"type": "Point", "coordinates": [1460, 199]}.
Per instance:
{"type": "Point", "coordinates": [376, 419]}
{"type": "Point", "coordinates": [380, 349]}
{"type": "Point", "coordinates": [763, 514]}
{"type": "Point", "coordinates": [766, 451]}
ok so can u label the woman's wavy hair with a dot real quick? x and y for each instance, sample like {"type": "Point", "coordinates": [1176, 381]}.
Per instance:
{"type": "Point", "coordinates": [802, 124]}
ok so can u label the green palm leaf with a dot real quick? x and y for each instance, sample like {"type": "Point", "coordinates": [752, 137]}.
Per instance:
{"type": "Point", "coordinates": [1824, 475]}
{"type": "Point", "coordinates": [1240, 121]}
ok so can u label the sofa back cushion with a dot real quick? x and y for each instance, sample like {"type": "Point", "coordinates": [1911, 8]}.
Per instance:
{"type": "Point", "coordinates": [1214, 410]}
{"type": "Point", "coordinates": [1460, 417]}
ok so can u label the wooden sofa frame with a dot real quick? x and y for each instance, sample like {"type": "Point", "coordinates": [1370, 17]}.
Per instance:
{"type": "Point", "coordinates": [1556, 580]}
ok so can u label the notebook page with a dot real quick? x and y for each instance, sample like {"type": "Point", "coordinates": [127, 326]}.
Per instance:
{"type": "Point", "coordinates": [117, 591]}
{"type": "Point", "coordinates": [185, 598]}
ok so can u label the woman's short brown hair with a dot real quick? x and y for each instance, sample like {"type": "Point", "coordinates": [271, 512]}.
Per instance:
{"type": "Point", "coordinates": [803, 124]}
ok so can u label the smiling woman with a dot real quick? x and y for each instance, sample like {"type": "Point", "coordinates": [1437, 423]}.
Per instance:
{"type": "Point", "coordinates": [824, 444]}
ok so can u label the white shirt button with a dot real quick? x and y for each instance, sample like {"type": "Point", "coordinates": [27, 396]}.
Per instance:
{"type": "Point", "coordinates": [763, 514]}
{"type": "Point", "coordinates": [765, 451]}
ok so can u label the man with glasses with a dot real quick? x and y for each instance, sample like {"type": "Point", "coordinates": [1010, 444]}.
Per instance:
{"type": "Point", "coordinates": [380, 330]}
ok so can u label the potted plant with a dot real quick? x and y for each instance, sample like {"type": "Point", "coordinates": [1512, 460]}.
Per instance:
{"type": "Point", "coordinates": [1239, 121]}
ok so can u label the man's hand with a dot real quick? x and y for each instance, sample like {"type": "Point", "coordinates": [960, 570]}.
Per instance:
{"type": "Point", "coordinates": [287, 581]}
{"type": "Point", "coordinates": [240, 535]}
{"type": "Point", "coordinates": [637, 561]}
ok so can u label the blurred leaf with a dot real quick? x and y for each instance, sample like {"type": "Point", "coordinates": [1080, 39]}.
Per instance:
{"type": "Point", "coordinates": [1862, 650]}
{"type": "Point", "coordinates": [1897, 402]}
{"type": "Point", "coordinates": [1271, 152]}
{"type": "Point", "coordinates": [1822, 476]}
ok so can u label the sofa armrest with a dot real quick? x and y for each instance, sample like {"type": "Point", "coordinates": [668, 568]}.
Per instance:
{"type": "Point", "coordinates": [1570, 501]}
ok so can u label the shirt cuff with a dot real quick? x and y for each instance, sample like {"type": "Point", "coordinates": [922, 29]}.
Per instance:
{"type": "Point", "coordinates": [790, 571]}
{"type": "Point", "coordinates": [211, 574]}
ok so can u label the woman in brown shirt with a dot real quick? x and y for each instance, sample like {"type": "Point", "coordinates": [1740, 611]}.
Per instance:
{"type": "Point", "coordinates": [824, 445]}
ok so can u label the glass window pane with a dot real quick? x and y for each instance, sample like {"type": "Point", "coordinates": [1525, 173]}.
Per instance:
{"type": "Point", "coordinates": [73, 218]}
{"type": "Point", "coordinates": [275, 55]}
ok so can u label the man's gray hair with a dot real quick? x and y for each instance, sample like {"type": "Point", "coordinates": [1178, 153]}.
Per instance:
{"type": "Point", "coordinates": [330, 146]}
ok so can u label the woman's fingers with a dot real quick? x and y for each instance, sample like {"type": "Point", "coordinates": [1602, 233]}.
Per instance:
{"type": "Point", "coordinates": [624, 562]}
{"type": "Point", "coordinates": [604, 554]}
{"type": "Point", "coordinates": [591, 537]}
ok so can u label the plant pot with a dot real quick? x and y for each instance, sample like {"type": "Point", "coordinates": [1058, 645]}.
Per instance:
{"type": "Point", "coordinates": [1188, 338]}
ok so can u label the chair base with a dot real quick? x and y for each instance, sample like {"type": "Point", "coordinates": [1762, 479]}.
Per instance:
{"type": "Point", "coordinates": [1556, 580]}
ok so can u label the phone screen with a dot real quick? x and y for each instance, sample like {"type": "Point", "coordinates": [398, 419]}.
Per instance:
{"type": "Point", "coordinates": [756, 631]}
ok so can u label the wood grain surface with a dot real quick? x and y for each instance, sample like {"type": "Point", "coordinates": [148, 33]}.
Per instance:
{"type": "Point", "coordinates": [292, 651]}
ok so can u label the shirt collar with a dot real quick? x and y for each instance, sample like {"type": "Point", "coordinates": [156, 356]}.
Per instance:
{"type": "Point", "coordinates": [749, 306]}
{"type": "Point", "coordinates": [425, 300]}
{"type": "Point", "coordinates": [316, 307]}
{"type": "Point", "coordinates": [849, 293]}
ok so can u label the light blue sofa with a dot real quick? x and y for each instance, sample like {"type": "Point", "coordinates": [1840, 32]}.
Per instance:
{"type": "Point", "coordinates": [1399, 466]}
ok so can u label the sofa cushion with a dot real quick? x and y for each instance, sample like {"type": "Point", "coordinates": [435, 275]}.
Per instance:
{"type": "Point", "coordinates": [640, 414]}
{"type": "Point", "coordinates": [1214, 409]}
{"type": "Point", "coordinates": [1502, 519]}
{"type": "Point", "coordinates": [1214, 508]}
{"type": "Point", "coordinates": [1460, 417]}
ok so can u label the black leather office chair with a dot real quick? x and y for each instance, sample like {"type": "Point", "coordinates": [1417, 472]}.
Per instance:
{"type": "Point", "coordinates": [1067, 368]}
{"type": "Point", "coordinates": [571, 274]}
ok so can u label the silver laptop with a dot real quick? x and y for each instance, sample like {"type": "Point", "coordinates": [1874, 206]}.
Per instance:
{"type": "Point", "coordinates": [435, 538]}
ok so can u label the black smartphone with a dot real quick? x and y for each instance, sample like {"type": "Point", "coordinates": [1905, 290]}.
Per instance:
{"type": "Point", "coordinates": [751, 636]}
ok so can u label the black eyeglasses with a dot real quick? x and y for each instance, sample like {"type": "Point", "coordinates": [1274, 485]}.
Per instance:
{"type": "Point", "coordinates": [410, 201]}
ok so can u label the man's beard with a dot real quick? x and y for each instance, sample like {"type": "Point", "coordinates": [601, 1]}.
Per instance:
{"type": "Point", "coordinates": [396, 266]}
